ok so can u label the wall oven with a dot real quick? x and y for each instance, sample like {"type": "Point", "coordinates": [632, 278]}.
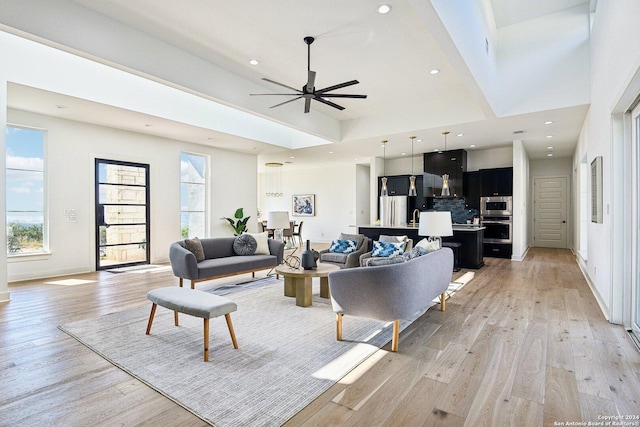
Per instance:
{"type": "Point", "coordinates": [497, 229]}
{"type": "Point", "coordinates": [496, 206]}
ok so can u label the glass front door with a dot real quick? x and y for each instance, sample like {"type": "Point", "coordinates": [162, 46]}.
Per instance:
{"type": "Point", "coordinates": [122, 214]}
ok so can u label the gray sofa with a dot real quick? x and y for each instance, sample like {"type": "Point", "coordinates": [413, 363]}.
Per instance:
{"type": "Point", "coordinates": [220, 260]}
{"type": "Point", "coordinates": [391, 292]}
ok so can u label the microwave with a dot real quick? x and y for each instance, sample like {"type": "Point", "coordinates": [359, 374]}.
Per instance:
{"type": "Point", "coordinates": [496, 206]}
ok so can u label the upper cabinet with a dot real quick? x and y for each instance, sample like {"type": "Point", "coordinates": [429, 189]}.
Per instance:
{"type": "Point", "coordinates": [452, 163]}
{"type": "Point", "coordinates": [496, 182]}
{"type": "Point", "coordinates": [472, 189]}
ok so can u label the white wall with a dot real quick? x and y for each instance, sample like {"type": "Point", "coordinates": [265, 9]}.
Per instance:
{"type": "Point", "coordinates": [488, 159]}
{"type": "Point", "coordinates": [335, 190]}
{"type": "Point", "coordinates": [615, 61]}
{"type": "Point", "coordinates": [520, 244]}
{"type": "Point", "coordinates": [71, 148]}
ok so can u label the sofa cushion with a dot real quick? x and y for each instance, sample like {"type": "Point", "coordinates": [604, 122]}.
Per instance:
{"type": "Point", "coordinates": [343, 246]}
{"type": "Point", "coordinates": [262, 240]}
{"type": "Point", "coordinates": [387, 249]}
{"type": "Point", "coordinates": [245, 244]}
{"type": "Point", "coordinates": [333, 257]}
{"type": "Point", "coordinates": [234, 264]}
{"type": "Point", "coordinates": [195, 246]}
{"type": "Point", "coordinates": [374, 261]}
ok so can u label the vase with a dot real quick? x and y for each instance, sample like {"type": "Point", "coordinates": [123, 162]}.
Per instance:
{"type": "Point", "coordinates": [307, 260]}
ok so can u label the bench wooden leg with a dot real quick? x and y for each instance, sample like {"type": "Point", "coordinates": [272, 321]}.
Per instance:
{"type": "Point", "coordinates": [206, 339]}
{"type": "Point", "coordinates": [443, 303]}
{"type": "Point", "coordinates": [231, 331]}
{"type": "Point", "coordinates": [153, 313]}
{"type": "Point", "coordinates": [396, 335]}
{"type": "Point", "coordinates": [339, 326]}
{"type": "Point", "coordinates": [181, 281]}
{"type": "Point", "coordinates": [193, 284]}
{"type": "Point", "coordinates": [175, 318]}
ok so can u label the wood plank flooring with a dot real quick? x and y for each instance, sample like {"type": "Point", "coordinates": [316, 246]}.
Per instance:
{"type": "Point", "coordinates": [523, 343]}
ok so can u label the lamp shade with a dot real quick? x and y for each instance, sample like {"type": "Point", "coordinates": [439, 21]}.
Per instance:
{"type": "Point", "coordinates": [435, 224]}
{"type": "Point", "coordinates": [278, 220]}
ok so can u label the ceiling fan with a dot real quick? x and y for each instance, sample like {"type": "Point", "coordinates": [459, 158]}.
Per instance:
{"type": "Point", "coordinates": [309, 91]}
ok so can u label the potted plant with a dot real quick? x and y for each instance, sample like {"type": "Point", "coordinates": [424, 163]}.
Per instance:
{"type": "Point", "coordinates": [238, 223]}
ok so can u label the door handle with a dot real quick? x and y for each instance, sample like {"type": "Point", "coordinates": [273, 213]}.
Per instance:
{"type": "Point", "coordinates": [564, 222]}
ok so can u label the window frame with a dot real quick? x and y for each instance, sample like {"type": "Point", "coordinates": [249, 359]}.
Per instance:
{"type": "Point", "coordinates": [206, 186]}
{"type": "Point", "coordinates": [45, 251]}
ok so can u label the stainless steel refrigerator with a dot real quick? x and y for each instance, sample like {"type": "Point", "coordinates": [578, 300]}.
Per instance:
{"type": "Point", "coordinates": [393, 211]}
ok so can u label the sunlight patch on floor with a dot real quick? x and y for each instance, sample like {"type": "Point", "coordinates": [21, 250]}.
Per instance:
{"type": "Point", "coordinates": [70, 282]}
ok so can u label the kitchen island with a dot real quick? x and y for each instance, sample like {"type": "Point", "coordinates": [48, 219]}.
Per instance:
{"type": "Point", "coordinates": [469, 236]}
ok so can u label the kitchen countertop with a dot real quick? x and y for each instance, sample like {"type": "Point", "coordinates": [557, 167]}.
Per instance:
{"type": "Point", "coordinates": [456, 227]}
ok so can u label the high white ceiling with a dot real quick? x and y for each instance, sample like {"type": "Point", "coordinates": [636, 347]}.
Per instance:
{"type": "Point", "coordinates": [391, 55]}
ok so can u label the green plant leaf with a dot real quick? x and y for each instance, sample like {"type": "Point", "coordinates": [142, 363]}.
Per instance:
{"type": "Point", "coordinates": [239, 213]}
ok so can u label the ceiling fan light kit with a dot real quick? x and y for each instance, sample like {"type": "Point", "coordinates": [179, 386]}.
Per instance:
{"type": "Point", "coordinates": [309, 92]}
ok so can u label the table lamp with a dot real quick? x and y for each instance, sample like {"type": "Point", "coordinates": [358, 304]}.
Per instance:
{"type": "Point", "coordinates": [278, 221]}
{"type": "Point", "coordinates": [435, 225]}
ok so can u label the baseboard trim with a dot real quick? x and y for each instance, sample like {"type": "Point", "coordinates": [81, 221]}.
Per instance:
{"type": "Point", "coordinates": [47, 274]}
{"type": "Point", "coordinates": [520, 257]}
{"type": "Point", "coordinates": [4, 297]}
{"type": "Point", "coordinates": [594, 290]}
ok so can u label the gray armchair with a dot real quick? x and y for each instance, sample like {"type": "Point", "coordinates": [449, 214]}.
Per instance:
{"type": "Point", "coordinates": [346, 260]}
{"type": "Point", "coordinates": [408, 245]}
{"type": "Point", "coordinates": [391, 292]}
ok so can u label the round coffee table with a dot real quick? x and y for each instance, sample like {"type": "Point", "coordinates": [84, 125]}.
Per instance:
{"type": "Point", "coordinates": [297, 282]}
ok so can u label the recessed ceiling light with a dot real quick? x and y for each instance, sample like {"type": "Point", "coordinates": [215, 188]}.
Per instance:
{"type": "Point", "coordinates": [384, 8]}
{"type": "Point", "coordinates": [549, 154]}
{"type": "Point", "coordinates": [434, 71]}
{"type": "Point", "coordinates": [292, 157]}
{"type": "Point", "coordinates": [403, 154]}
{"type": "Point", "coordinates": [549, 136]}
{"type": "Point", "coordinates": [473, 146]}
{"type": "Point", "coordinates": [418, 140]}
{"type": "Point", "coordinates": [460, 134]}
{"type": "Point", "coordinates": [254, 62]}
{"type": "Point", "coordinates": [61, 107]}
{"type": "Point", "coordinates": [330, 152]}
{"type": "Point", "coordinates": [548, 122]}
{"type": "Point", "coordinates": [550, 147]}
{"type": "Point", "coordinates": [148, 125]}
{"type": "Point", "coordinates": [436, 149]}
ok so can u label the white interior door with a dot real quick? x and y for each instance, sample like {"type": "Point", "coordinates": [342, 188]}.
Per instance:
{"type": "Point", "coordinates": [635, 288]}
{"type": "Point", "coordinates": [550, 212]}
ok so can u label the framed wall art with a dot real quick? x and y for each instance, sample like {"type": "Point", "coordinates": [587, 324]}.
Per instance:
{"type": "Point", "coordinates": [303, 205]}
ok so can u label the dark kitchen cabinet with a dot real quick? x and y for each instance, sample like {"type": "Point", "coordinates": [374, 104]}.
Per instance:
{"type": "Point", "coordinates": [471, 189]}
{"type": "Point", "coordinates": [452, 163]}
{"type": "Point", "coordinates": [496, 182]}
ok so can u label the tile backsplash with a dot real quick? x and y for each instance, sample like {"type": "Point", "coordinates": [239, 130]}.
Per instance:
{"type": "Point", "coordinates": [459, 212]}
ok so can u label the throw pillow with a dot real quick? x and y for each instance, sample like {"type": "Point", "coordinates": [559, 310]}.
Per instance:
{"type": "Point", "coordinates": [414, 253]}
{"type": "Point", "coordinates": [195, 247]}
{"type": "Point", "coordinates": [385, 261]}
{"type": "Point", "coordinates": [387, 249]}
{"type": "Point", "coordinates": [429, 246]}
{"type": "Point", "coordinates": [245, 244]}
{"type": "Point", "coordinates": [343, 246]}
{"type": "Point", "coordinates": [262, 240]}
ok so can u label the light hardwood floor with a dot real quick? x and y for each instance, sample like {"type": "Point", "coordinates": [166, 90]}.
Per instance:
{"type": "Point", "coordinates": [522, 344]}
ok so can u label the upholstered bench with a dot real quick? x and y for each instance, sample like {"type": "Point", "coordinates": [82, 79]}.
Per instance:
{"type": "Point", "coordinates": [195, 303]}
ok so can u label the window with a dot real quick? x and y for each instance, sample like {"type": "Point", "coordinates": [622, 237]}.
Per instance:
{"type": "Point", "coordinates": [193, 195]}
{"type": "Point", "coordinates": [25, 192]}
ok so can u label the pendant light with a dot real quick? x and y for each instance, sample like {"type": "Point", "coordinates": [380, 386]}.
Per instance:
{"type": "Point", "coordinates": [384, 191]}
{"type": "Point", "coordinates": [445, 177]}
{"type": "Point", "coordinates": [412, 178]}
{"type": "Point", "coordinates": [273, 178]}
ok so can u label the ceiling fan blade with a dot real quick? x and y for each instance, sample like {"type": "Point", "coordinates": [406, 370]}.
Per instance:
{"type": "Point", "coordinates": [342, 95]}
{"type": "Point", "coordinates": [286, 102]}
{"type": "Point", "coordinates": [307, 105]}
{"type": "Point", "coordinates": [338, 86]}
{"type": "Point", "coordinates": [280, 84]}
{"type": "Point", "coordinates": [324, 101]}
{"type": "Point", "coordinates": [311, 81]}
{"type": "Point", "coordinates": [275, 94]}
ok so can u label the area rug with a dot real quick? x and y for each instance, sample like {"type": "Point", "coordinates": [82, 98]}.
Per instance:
{"type": "Point", "coordinates": [287, 355]}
